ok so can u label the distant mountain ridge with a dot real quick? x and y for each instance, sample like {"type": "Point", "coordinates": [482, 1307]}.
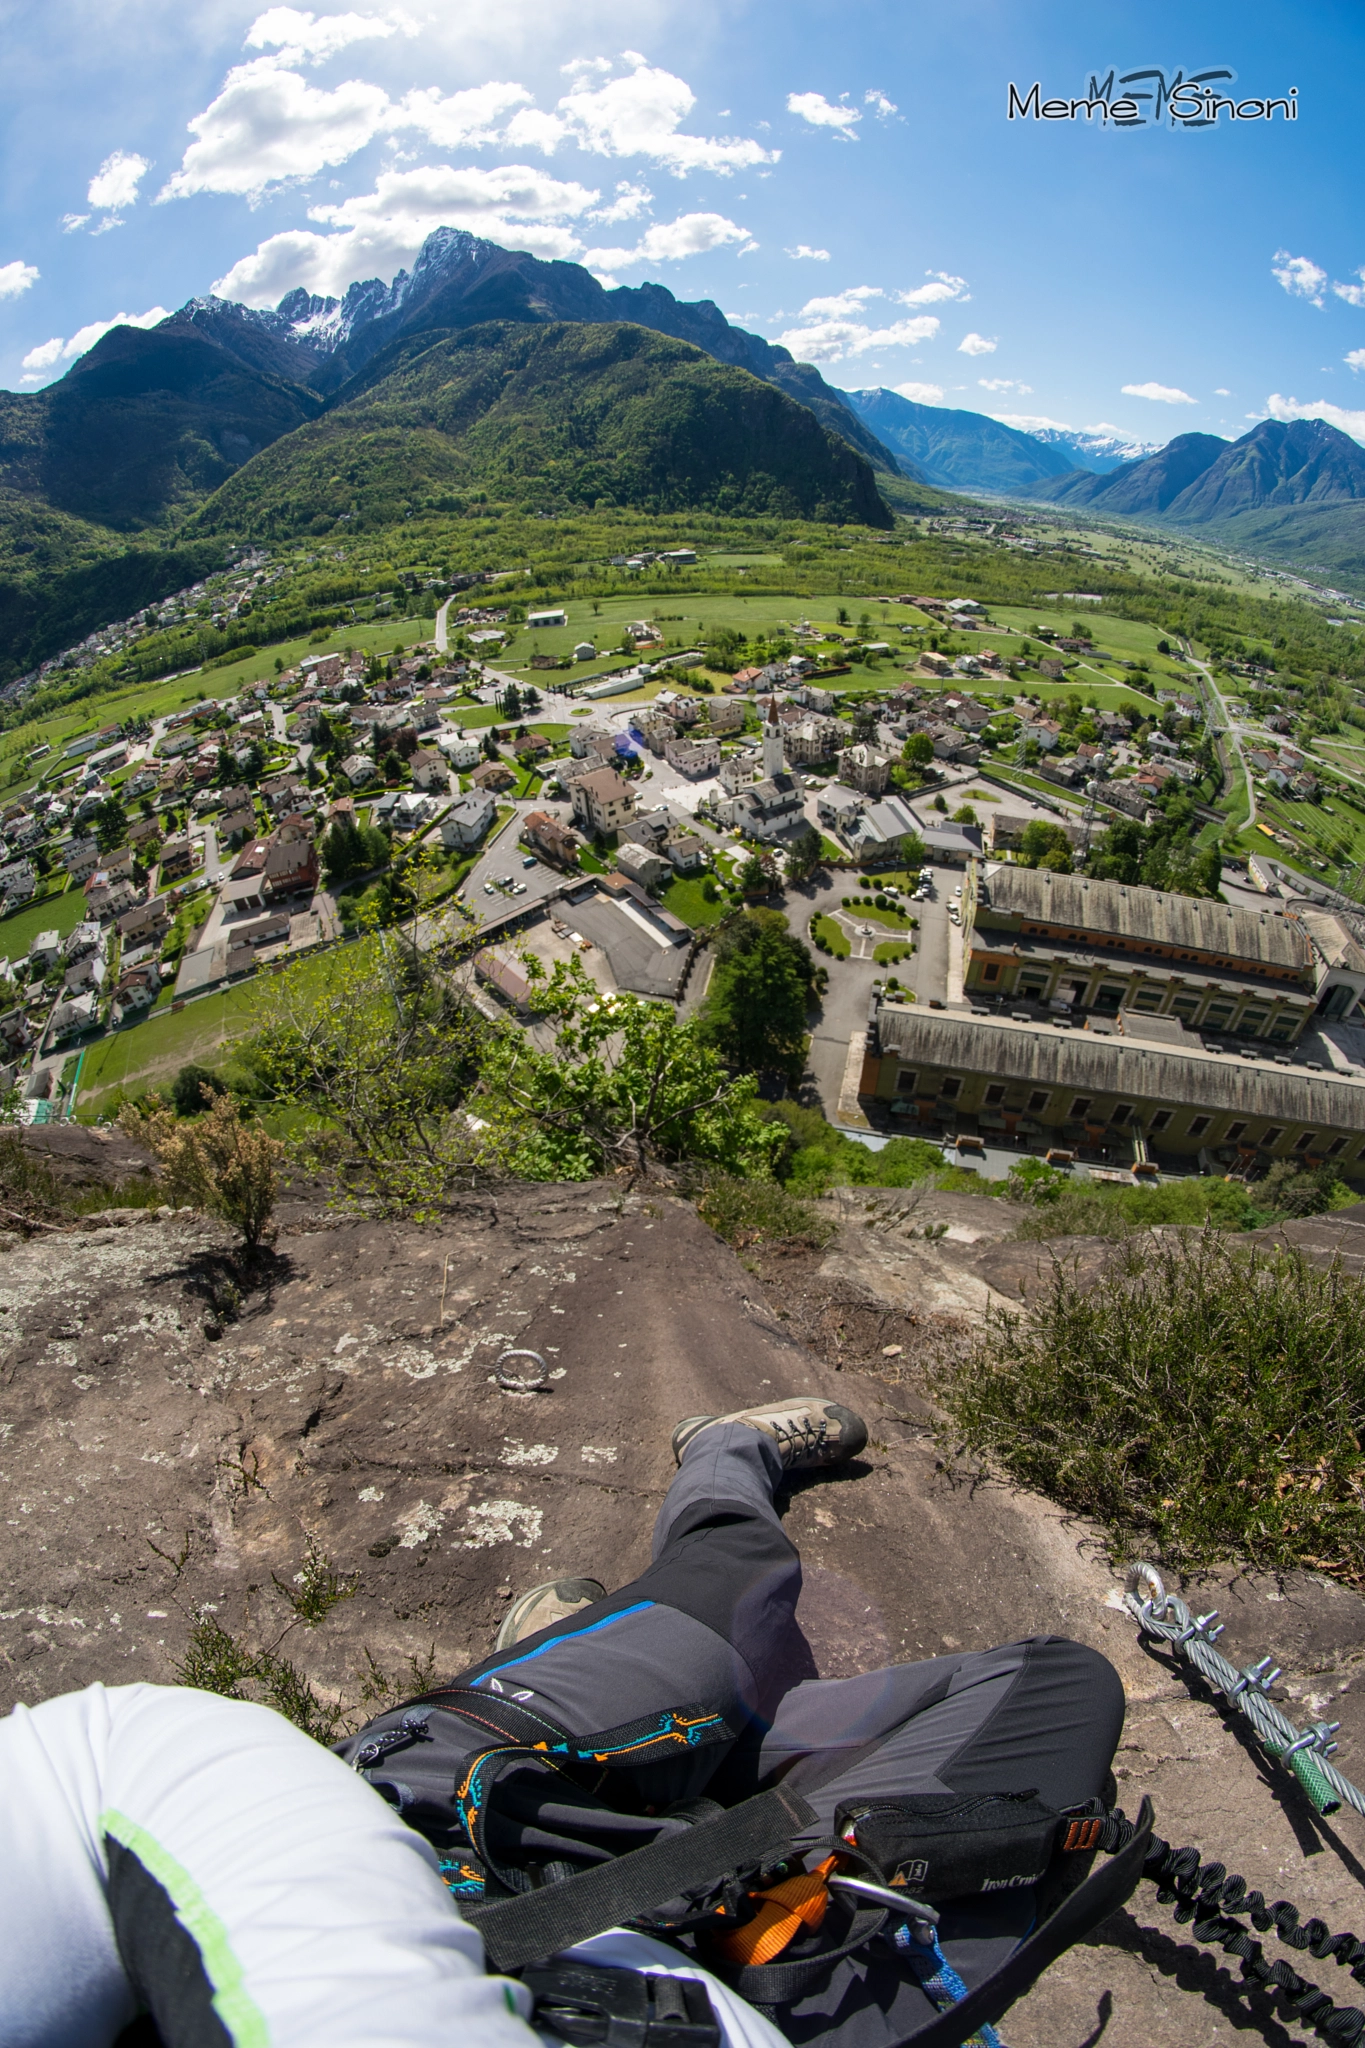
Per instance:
{"type": "Point", "coordinates": [959, 450]}
{"type": "Point", "coordinates": [1201, 479]}
{"type": "Point", "coordinates": [558, 413]}
{"type": "Point", "coordinates": [459, 280]}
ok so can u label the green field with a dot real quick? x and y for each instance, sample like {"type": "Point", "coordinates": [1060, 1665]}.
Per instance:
{"type": "Point", "coordinates": [684, 897]}
{"type": "Point", "coordinates": [833, 934]}
{"type": "Point", "coordinates": [152, 1053]}
{"type": "Point", "coordinates": [59, 914]}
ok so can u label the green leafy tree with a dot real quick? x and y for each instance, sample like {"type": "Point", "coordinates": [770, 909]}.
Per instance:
{"type": "Point", "coordinates": [623, 1084]}
{"type": "Point", "coordinates": [111, 824]}
{"type": "Point", "coordinates": [761, 990]}
{"type": "Point", "coordinates": [913, 851]}
{"type": "Point", "coordinates": [1043, 844]}
{"type": "Point", "coordinates": [918, 750]}
{"type": "Point", "coordinates": [350, 849]}
{"type": "Point", "coordinates": [803, 857]}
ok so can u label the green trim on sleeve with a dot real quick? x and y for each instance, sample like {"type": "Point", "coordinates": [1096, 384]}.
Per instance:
{"type": "Point", "coordinates": [232, 2002]}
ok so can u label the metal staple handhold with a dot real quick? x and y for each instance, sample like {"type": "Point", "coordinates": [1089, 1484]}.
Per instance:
{"type": "Point", "coordinates": [513, 1383]}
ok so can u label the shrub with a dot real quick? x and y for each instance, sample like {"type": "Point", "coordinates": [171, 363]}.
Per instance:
{"type": "Point", "coordinates": [192, 1088]}
{"type": "Point", "coordinates": [214, 1161]}
{"type": "Point", "coordinates": [751, 1212]}
{"type": "Point", "coordinates": [881, 902]}
{"type": "Point", "coordinates": [1204, 1402]}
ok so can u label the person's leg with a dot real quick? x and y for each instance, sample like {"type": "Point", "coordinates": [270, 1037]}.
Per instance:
{"type": "Point", "coordinates": [662, 1676]}
{"type": "Point", "coordinates": [198, 1858]}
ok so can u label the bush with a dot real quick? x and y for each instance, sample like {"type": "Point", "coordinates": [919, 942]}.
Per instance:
{"type": "Point", "coordinates": [751, 1212]}
{"type": "Point", "coordinates": [188, 1090]}
{"type": "Point", "coordinates": [214, 1161]}
{"type": "Point", "coordinates": [1204, 1403]}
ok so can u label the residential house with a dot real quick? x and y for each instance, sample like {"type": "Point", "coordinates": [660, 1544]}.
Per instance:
{"type": "Point", "coordinates": [641, 864]}
{"type": "Point", "coordinates": [146, 922]}
{"type": "Point", "coordinates": [74, 1014]}
{"type": "Point", "coordinates": [108, 899]}
{"type": "Point", "coordinates": [19, 880]}
{"type": "Point", "coordinates": [683, 710]}
{"type": "Point", "coordinates": [83, 938]}
{"type": "Point", "coordinates": [862, 768]}
{"type": "Point", "coordinates": [656, 729]}
{"type": "Point", "coordinates": [837, 806]}
{"type": "Point", "coordinates": [1046, 731]}
{"type": "Point", "coordinates": [727, 714]}
{"type": "Point", "coordinates": [429, 770]}
{"type": "Point", "coordinates": [592, 739]}
{"type": "Point", "coordinates": [876, 830]}
{"type": "Point", "coordinates": [1123, 796]}
{"type": "Point", "coordinates": [291, 861]}
{"type": "Point", "coordinates": [809, 740]}
{"type": "Point", "coordinates": [602, 801]}
{"type": "Point", "coordinates": [137, 990]}
{"type": "Point", "coordinates": [86, 972]}
{"type": "Point", "coordinates": [235, 826]}
{"type": "Point", "coordinates": [687, 853]}
{"type": "Point", "coordinates": [82, 858]}
{"type": "Point", "coordinates": [304, 720]}
{"type": "Point", "coordinates": [693, 758]}
{"type": "Point", "coordinates": [556, 843]}
{"type": "Point", "coordinates": [142, 830]}
{"type": "Point", "coordinates": [281, 793]}
{"type": "Point", "coordinates": [461, 749]}
{"type": "Point", "coordinates": [177, 857]}
{"type": "Point", "coordinates": [494, 775]}
{"type": "Point", "coordinates": [937, 664]}
{"type": "Point", "coordinates": [465, 823]}
{"type": "Point", "coordinates": [359, 771]}
{"type": "Point", "coordinates": [140, 783]}
{"type": "Point", "coordinates": [533, 743]}
{"type": "Point", "coordinates": [411, 809]}
{"type": "Point", "coordinates": [45, 951]}
{"type": "Point", "coordinates": [766, 810]}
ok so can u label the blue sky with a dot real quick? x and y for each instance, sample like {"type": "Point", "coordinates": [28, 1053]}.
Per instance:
{"type": "Point", "coordinates": [844, 178]}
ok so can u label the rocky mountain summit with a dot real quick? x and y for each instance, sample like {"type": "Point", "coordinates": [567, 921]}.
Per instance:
{"type": "Point", "coordinates": [176, 1443]}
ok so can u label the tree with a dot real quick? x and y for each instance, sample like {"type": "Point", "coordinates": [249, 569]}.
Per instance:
{"type": "Point", "coordinates": [918, 750]}
{"type": "Point", "coordinates": [111, 824]}
{"type": "Point", "coordinates": [372, 1041]}
{"type": "Point", "coordinates": [803, 857]}
{"type": "Point", "coordinates": [913, 851]}
{"type": "Point", "coordinates": [757, 875]}
{"type": "Point", "coordinates": [1043, 844]}
{"type": "Point", "coordinates": [623, 1084]}
{"type": "Point", "coordinates": [350, 849]}
{"type": "Point", "coordinates": [214, 1162]}
{"type": "Point", "coordinates": [964, 815]}
{"type": "Point", "coordinates": [755, 1012]}
{"type": "Point", "coordinates": [193, 1088]}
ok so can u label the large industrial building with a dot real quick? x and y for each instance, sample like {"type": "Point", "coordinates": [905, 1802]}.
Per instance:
{"type": "Point", "coordinates": [1108, 949]}
{"type": "Point", "coordinates": [1102, 1092]}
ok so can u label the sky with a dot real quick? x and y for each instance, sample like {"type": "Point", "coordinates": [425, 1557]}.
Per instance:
{"type": "Point", "coordinates": [844, 179]}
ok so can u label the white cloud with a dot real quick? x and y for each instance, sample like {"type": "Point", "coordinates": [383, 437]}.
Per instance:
{"type": "Point", "coordinates": [821, 113]}
{"type": "Point", "coordinates": [804, 249]}
{"type": "Point", "coordinates": [630, 202]}
{"type": "Point", "coordinates": [1299, 276]}
{"type": "Point", "coordinates": [1167, 394]}
{"type": "Point", "coordinates": [319, 37]}
{"type": "Point", "coordinates": [841, 303]}
{"type": "Point", "coordinates": [16, 277]}
{"type": "Point", "coordinates": [943, 286]}
{"type": "Point", "coordinates": [72, 221]}
{"type": "Point", "coordinates": [1004, 384]}
{"type": "Point", "coordinates": [976, 345]}
{"type": "Point", "coordinates": [1354, 294]}
{"type": "Point", "coordinates": [1031, 422]}
{"type": "Point", "coordinates": [1220, 391]}
{"type": "Point", "coordinates": [1352, 423]}
{"type": "Point", "coordinates": [831, 340]}
{"type": "Point", "coordinates": [921, 394]}
{"type": "Point", "coordinates": [691, 234]}
{"type": "Point", "coordinates": [639, 115]}
{"type": "Point", "coordinates": [464, 120]}
{"type": "Point", "coordinates": [1356, 359]}
{"type": "Point", "coordinates": [376, 233]}
{"type": "Point", "coordinates": [115, 183]}
{"type": "Point", "coordinates": [881, 106]}
{"type": "Point", "coordinates": [268, 126]}
{"type": "Point", "coordinates": [49, 353]}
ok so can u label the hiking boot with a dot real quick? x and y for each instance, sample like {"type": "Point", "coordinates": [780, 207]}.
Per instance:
{"type": "Point", "coordinates": [543, 1606]}
{"type": "Point", "coordinates": [809, 1431]}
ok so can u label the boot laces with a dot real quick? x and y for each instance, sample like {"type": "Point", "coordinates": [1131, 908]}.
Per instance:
{"type": "Point", "coordinates": [797, 1437]}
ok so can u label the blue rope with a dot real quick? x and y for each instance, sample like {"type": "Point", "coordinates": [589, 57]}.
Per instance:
{"type": "Point", "coordinates": [938, 1979]}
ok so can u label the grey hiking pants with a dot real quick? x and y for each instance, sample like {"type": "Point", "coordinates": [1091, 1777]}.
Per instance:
{"type": "Point", "coordinates": [709, 1630]}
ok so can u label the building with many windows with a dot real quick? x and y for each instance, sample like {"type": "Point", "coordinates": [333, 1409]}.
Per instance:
{"type": "Point", "coordinates": [1167, 1097]}
{"type": "Point", "coordinates": [1109, 948]}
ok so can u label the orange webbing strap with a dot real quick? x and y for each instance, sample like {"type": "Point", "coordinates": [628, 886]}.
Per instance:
{"type": "Point", "coordinates": [787, 1907]}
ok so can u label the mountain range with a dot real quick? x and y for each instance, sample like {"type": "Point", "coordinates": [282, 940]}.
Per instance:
{"type": "Point", "coordinates": [959, 450]}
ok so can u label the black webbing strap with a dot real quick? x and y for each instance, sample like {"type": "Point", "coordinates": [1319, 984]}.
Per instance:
{"type": "Point", "coordinates": [1103, 1892]}
{"type": "Point", "coordinates": [542, 1923]}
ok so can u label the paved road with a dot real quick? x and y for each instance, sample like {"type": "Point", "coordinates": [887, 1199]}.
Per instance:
{"type": "Point", "coordinates": [439, 637]}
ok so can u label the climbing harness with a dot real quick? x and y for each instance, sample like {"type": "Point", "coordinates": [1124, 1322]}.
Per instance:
{"type": "Point", "coordinates": [1304, 1751]}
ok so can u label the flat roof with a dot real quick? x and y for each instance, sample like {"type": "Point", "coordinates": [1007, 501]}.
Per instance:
{"type": "Point", "coordinates": [1187, 1078]}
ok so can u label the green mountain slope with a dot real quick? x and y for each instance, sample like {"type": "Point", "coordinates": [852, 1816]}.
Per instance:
{"type": "Point", "coordinates": [143, 427]}
{"type": "Point", "coordinates": [554, 416]}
